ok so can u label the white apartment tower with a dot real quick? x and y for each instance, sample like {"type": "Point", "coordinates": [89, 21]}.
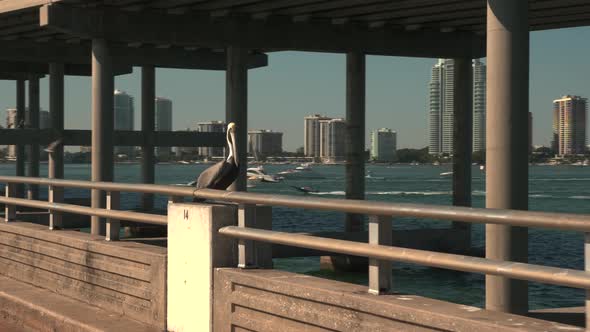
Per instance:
{"type": "Point", "coordinates": [569, 125]}
{"type": "Point", "coordinates": [124, 118]}
{"type": "Point", "coordinates": [163, 122]}
{"type": "Point", "coordinates": [479, 106]}
{"type": "Point", "coordinates": [311, 146]}
{"type": "Point", "coordinates": [332, 142]}
{"type": "Point", "coordinates": [442, 103]}
{"type": "Point", "coordinates": [383, 145]}
{"type": "Point", "coordinates": [211, 127]}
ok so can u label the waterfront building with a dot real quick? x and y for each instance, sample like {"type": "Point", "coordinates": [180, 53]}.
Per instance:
{"type": "Point", "coordinates": [163, 123]}
{"type": "Point", "coordinates": [263, 143]}
{"type": "Point", "coordinates": [479, 106]}
{"type": "Point", "coordinates": [383, 145]}
{"type": "Point", "coordinates": [211, 127]}
{"type": "Point", "coordinates": [312, 139]}
{"type": "Point", "coordinates": [569, 125]}
{"type": "Point", "coordinates": [124, 118]}
{"type": "Point", "coordinates": [44, 123]}
{"type": "Point", "coordinates": [442, 103]}
{"type": "Point", "coordinates": [332, 142]}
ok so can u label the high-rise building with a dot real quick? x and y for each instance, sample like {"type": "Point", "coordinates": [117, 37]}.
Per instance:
{"type": "Point", "coordinates": [383, 144]}
{"type": "Point", "coordinates": [569, 125]}
{"type": "Point", "coordinates": [163, 123]}
{"type": "Point", "coordinates": [479, 106]}
{"type": "Point", "coordinates": [263, 143]}
{"type": "Point", "coordinates": [332, 146]}
{"type": "Point", "coordinates": [211, 127]}
{"type": "Point", "coordinates": [44, 123]}
{"type": "Point", "coordinates": [124, 118]}
{"type": "Point", "coordinates": [311, 146]}
{"type": "Point", "coordinates": [442, 104]}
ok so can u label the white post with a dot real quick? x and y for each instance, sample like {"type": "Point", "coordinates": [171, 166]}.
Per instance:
{"type": "Point", "coordinates": [195, 249]}
{"type": "Point", "coordinates": [113, 226]}
{"type": "Point", "coordinates": [55, 217]}
{"type": "Point", "coordinates": [10, 209]}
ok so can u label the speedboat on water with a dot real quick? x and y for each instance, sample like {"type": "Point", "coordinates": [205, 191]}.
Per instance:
{"type": "Point", "coordinates": [370, 176]}
{"type": "Point", "coordinates": [260, 174]}
{"type": "Point", "coordinates": [446, 174]}
{"type": "Point", "coordinates": [306, 189]}
{"type": "Point", "coordinates": [303, 167]}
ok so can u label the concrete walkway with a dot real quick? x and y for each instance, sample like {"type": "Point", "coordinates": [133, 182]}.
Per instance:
{"type": "Point", "coordinates": [25, 308]}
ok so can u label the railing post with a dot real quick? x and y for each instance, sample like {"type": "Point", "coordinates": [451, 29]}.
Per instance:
{"type": "Point", "coordinates": [55, 217]}
{"type": "Point", "coordinates": [10, 209]}
{"type": "Point", "coordinates": [246, 253]}
{"type": "Point", "coordinates": [113, 226]}
{"type": "Point", "coordinates": [195, 251]}
{"type": "Point", "coordinates": [379, 270]}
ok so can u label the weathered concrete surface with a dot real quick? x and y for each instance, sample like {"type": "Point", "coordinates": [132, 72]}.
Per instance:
{"type": "Point", "coordinates": [122, 277]}
{"type": "Point", "coordinates": [271, 300]}
{"type": "Point", "coordinates": [28, 308]}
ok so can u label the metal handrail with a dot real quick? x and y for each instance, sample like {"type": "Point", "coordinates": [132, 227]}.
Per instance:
{"type": "Point", "coordinates": [524, 271]}
{"type": "Point", "coordinates": [562, 221]}
{"type": "Point", "coordinates": [88, 211]}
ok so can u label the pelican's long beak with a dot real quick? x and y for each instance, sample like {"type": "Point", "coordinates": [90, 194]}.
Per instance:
{"type": "Point", "coordinates": [232, 134]}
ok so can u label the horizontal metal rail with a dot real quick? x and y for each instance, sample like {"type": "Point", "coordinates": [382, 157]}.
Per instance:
{"type": "Point", "coordinates": [88, 211]}
{"type": "Point", "coordinates": [544, 274]}
{"type": "Point", "coordinates": [562, 221]}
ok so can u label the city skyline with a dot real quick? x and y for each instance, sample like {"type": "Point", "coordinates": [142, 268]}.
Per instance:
{"type": "Point", "coordinates": [297, 84]}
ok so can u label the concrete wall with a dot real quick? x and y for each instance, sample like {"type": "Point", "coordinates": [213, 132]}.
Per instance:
{"type": "Point", "coordinates": [271, 300]}
{"type": "Point", "coordinates": [122, 277]}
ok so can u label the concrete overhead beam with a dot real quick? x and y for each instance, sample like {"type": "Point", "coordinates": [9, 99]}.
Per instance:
{"type": "Point", "coordinates": [272, 33]}
{"type": "Point", "coordinates": [79, 54]}
{"type": "Point", "coordinates": [121, 138]}
{"type": "Point", "coordinates": [42, 69]}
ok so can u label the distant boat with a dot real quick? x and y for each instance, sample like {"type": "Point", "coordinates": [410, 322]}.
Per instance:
{"type": "Point", "coordinates": [446, 174]}
{"type": "Point", "coordinates": [305, 189]}
{"type": "Point", "coordinates": [370, 176]}
{"type": "Point", "coordinates": [260, 174]}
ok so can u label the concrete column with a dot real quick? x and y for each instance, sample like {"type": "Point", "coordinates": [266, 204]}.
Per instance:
{"type": "Point", "coordinates": [236, 107]}
{"type": "Point", "coordinates": [20, 118]}
{"type": "Point", "coordinates": [507, 144]}
{"type": "Point", "coordinates": [102, 124]}
{"type": "Point", "coordinates": [355, 135]}
{"type": "Point", "coordinates": [195, 250]}
{"type": "Point", "coordinates": [462, 143]}
{"type": "Point", "coordinates": [56, 113]}
{"type": "Point", "coordinates": [148, 99]}
{"type": "Point", "coordinates": [33, 122]}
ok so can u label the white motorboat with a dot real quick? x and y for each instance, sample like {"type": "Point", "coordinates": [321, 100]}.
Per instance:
{"type": "Point", "coordinates": [446, 174]}
{"type": "Point", "coordinates": [370, 176]}
{"type": "Point", "coordinates": [260, 174]}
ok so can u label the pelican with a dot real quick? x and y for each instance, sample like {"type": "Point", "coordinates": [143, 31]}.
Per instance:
{"type": "Point", "coordinates": [53, 145]}
{"type": "Point", "coordinates": [224, 173]}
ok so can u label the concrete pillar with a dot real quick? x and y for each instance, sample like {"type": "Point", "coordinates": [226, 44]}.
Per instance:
{"type": "Point", "coordinates": [56, 157]}
{"type": "Point", "coordinates": [236, 107]}
{"type": "Point", "coordinates": [148, 99]}
{"type": "Point", "coordinates": [33, 122]}
{"type": "Point", "coordinates": [20, 118]}
{"type": "Point", "coordinates": [462, 143]}
{"type": "Point", "coordinates": [102, 124]}
{"type": "Point", "coordinates": [56, 113]}
{"type": "Point", "coordinates": [195, 250]}
{"type": "Point", "coordinates": [507, 144]}
{"type": "Point", "coordinates": [355, 135]}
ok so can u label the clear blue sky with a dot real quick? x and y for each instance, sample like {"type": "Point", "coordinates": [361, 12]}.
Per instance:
{"type": "Point", "coordinates": [296, 84]}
